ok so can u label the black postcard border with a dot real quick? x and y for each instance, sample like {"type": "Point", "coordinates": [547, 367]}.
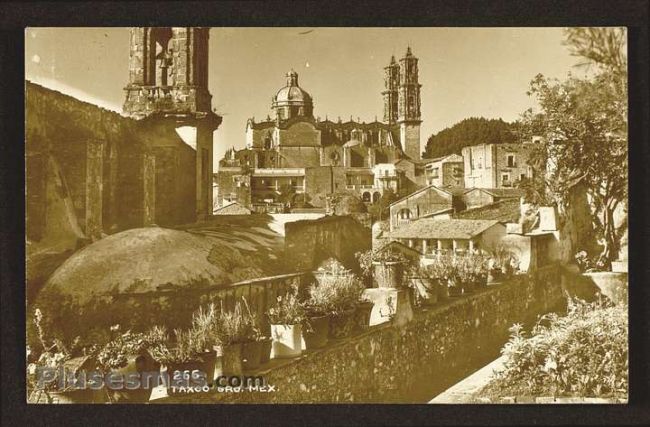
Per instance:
{"type": "Point", "coordinates": [14, 17]}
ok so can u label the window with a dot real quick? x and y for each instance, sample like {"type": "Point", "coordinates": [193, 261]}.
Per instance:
{"type": "Point", "coordinates": [511, 160]}
{"type": "Point", "coordinates": [434, 173]}
{"type": "Point", "coordinates": [522, 177]}
{"type": "Point", "coordinates": [505, 179]}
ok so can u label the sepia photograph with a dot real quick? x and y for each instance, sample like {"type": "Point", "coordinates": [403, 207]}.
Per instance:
{"type": "Point", "coordinates": [263, 215]}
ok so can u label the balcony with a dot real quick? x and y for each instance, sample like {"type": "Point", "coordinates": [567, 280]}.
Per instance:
{"type": "Point", "coordinates": [359, 186]}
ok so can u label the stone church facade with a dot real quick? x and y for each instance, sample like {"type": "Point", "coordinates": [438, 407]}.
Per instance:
{"type": "Point", "coordinates": [295, 152]}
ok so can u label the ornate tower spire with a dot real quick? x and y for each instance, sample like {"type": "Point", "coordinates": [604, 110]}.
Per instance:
{"type": "Point", "coordinates": [390, 93]}
{"type": "Point", "coordinates": [408, 115]}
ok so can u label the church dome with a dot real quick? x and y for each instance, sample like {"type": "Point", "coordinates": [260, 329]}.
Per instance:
{"type": "Point", "coordinates": [292, 100]}
{"type": "Point", "coordinates": [158, 276]}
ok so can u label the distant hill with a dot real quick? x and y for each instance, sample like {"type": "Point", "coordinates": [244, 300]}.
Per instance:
{"type": "Point", "coordinates": [472, 131]}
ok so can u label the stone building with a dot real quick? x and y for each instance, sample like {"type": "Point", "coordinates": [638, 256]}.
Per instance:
{"type": "Point", "coordinates": [92, 172]}
{"type": "Point", "coordinates": [496, 165]}
{"type": "Point", "coordinates": [476, 197]}
{"type": "Point", "coordinates": [445, 171]}
{"type": "Point", "coordinates": [431, 236]}
{"type": "Point", "coordinates": [295, 152]}
{"type": "Point", "coordinates": [427, 202]}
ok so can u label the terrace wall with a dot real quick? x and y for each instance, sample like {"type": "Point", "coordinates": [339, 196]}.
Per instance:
{"type": "Point", "coordinates": [441, 345]}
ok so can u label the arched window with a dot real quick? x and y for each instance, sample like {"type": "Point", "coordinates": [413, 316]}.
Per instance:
{"type": "Point", "coordinates": [366, 197]}
{"type": "Point", "coordinates": [404, 213]}
{"type": "Point", "coordinates": [376, 196]}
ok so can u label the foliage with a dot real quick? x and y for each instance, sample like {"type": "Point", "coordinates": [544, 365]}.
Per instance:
{"type": "Point", "coordinates": [584, 353]}
{"type": "Point", "coordinates": [584, 121]}
{"type": "Point", "coordinates": [471, 131]}
{"type": "Point", "coordinates": [457, 269]}
{"type": "Point", "coordinates": [237, 326]}
{"type": "Point", "coordinates": [53, 353]}
{"type": "Point", "coordinates": [502, 259]}
{"type": "Point", "coordinates": [115, 353]}
{"type": "Point", "coordinates": [185, 348]}
{"type": "Point", "coordinates": [332, 267]}
{"type": "Point", "coordinates": [336, 290]}
{"type": "Point", "coordinates": [381, 209]}
{"type": "Point", "coordinates": [287, 310]}
{"type": "Point", "coordinates": [344, 203]}
{"type": "Point", "coordinates": [382, 255]}
{"type": "Point", "coordinates": [586, 263]}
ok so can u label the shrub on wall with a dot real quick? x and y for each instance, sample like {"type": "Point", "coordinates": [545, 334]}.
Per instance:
{"type": "Point", "coordinates": [584, 353]}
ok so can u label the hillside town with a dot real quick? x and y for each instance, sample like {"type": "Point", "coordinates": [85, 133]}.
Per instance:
{"type": "Point", "coordinates": [324, 243]}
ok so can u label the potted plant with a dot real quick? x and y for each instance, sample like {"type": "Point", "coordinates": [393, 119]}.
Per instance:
{"type": "Point", "coordinates": [47, 373]}
{"type": "Point", "coordinates": [184, 363]}
{"type": "Point", "coordinates": [384, 265]}
{"type": "Point", "coordinates": [438, 272]}
{"type": "Point", "coordinates": [234, 329]}
{"type": "Point", "coordinates": [286, 317]}
{"type": "Point", "coordinates": [252, 344]}
{"type": "Point", "coordinates": [317, 309]}
{"type": "Point", "coordinates": [330, 270]}
{"type": "Point", "coordinates": [423, 285]}
{"type": "Point", "coordinates": [126, 355]}
{"type": "Point", "coordinates": [346, 297]}
{"type": "Point", "coordinates": [502, 263]}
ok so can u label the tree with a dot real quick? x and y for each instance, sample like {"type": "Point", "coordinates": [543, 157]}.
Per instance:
{"type": "Point", "coordinates": [471, 131]}
{"type": "Point", "coordinates": [380, 210]}
{"type": "Point", "coordinates": [344, 203]}
{"type": "Point", "coordinates": [585, 125]}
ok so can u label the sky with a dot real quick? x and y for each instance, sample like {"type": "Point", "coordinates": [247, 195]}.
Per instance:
{"type": "Point", "coordinates": [464, 72]}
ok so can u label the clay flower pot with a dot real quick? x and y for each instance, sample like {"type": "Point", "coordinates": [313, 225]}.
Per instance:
{"type": "Point", "coordinates": [315, 333]}
{"type": "Point", "coordinates": [287, 341]}
{"type": "Point", "coordinates": [186, 374]}
{"type": "Point", "coordinates": [388, 274]}
{"type": "Point", "coordinates": [265, 349]}
{"type": "Point", "coordinates": [342, 324]}
{"type": "Point", "coordinates": [136, 364]}
{"type": "Point", "coordinates": [251, 353]}
{"type": "Point", "coordinates": [362, 314]}
{"type": "Point", "coordinates": [229, 360]}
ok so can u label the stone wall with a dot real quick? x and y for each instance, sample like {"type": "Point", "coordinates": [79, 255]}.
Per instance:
{"type": "Point", "coordinates": [388, 364]}
{"type": "Point", "coordinates": [97, 173]}
{"type": "Point", "coordinates": [308, 243]}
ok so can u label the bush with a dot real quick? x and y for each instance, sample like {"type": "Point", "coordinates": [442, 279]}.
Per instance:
{"type": "Point", "coordinates": [584, 353]}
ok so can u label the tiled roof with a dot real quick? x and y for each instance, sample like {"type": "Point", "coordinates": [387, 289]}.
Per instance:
{"type": "Point", "coordinates": [442, 229]}
{"type": "Point", "coordinates": [456, 191]}
{"type": "Point", "coordinates": [506, 210]}
{"type": "Point", "coordinates": [418, 191]}
{"type": "Point", "coordinates": [502, 192]}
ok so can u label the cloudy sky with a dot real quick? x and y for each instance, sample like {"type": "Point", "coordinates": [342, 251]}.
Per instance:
{"type": "Point", "coordinates": [464, 72]}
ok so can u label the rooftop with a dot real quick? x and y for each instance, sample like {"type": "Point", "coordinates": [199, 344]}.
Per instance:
{"type": "Point", "coordinates": [443, 229]}
{"type": "Point", "coordinates": [506, 210]}
{"type": "Point", "coordinates": [500, 192]}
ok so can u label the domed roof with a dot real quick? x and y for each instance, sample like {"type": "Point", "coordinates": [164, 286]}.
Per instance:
{"type": "Point", "coordinates": [153, 258]}
{"type": "Point", "coordinates": [292, 93]}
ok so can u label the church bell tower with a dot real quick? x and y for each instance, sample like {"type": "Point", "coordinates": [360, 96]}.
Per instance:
{"type": "Point", "coordinates": [408, 116]}
{"type": "Point", "coordinates": [168, 82]}
{"type": "Point", "coordinates": [390, 93]}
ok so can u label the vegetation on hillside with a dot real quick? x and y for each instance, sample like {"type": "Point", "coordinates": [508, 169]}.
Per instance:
{"type": "Point", "coordinates": [471, 131]}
